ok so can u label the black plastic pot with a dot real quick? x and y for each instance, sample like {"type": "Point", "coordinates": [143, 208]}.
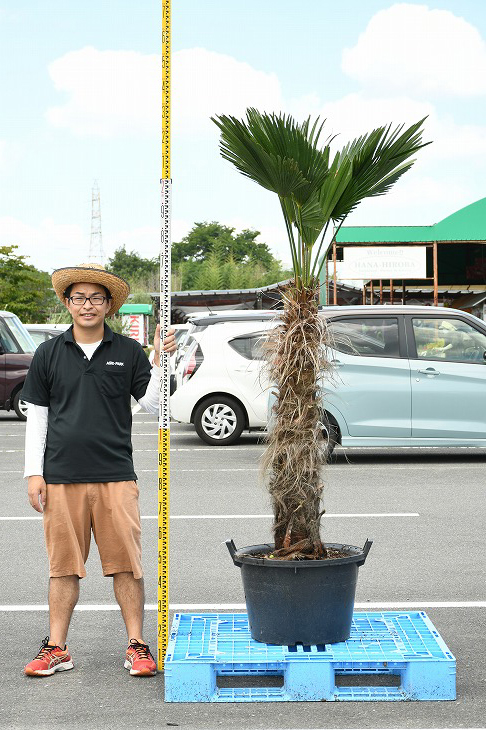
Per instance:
{"type": "Point", "coordinates": [308, 602]}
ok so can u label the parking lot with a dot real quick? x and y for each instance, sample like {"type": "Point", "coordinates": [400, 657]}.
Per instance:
{"type": "Point", "coordinates": [423, 508]}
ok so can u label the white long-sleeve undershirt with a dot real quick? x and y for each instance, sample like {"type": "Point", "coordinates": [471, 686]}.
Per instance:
{"type": "Point", "coordinates": [37, 416]}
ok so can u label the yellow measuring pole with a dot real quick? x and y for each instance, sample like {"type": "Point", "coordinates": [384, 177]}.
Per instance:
{"type": "Point", "coordinates": [163, 491]}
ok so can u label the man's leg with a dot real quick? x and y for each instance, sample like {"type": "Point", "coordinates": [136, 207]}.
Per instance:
{"type": "Point", "coordinates": [130, 595]}
{"type": "Point", "coordinates": [63, 596]}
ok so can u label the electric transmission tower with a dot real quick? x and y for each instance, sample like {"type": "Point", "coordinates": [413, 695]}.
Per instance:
{"type": "Point", "coordinates": [96, 242]}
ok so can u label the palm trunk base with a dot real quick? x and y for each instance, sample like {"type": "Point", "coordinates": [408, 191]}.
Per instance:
{"type": "Point", "coordinates": [295, 447]}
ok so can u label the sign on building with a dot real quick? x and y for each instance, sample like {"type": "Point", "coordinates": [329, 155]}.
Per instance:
{"type": "Point", "coordinates": [135, 318]}
{"type": "Point", "coordinates": [383, 262]}
{"type": "Point", "coordinates": [136, 327]}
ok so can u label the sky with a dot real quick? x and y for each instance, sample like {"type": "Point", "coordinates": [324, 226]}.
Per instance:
{"type": "Point", "coordinates": [80, 101]}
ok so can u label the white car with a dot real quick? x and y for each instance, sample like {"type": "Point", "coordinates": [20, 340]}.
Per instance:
{"type": "Point", "coordinates": [220, 385]}
{"type": "Point", "coordinates": [180, 334]}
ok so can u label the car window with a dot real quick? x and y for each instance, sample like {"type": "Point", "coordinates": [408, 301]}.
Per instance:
{"type": "Point", "coordinates": [249, 346]}
{"type": "Point", "coordinates": [37, 336]}
{"type": "Point", "coordinates": [8, 343]}
{"type": "Point", "coordinates": [448, 339]}
{"type": "Point", "coordinates": [368, 336]}
{"type": "Point", "coordinates": [180, 336]}
{"type": "Point", "coordinates": [20, 333]}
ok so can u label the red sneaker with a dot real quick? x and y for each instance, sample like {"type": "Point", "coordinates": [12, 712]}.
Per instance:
{"type": "Point", "coordinates": [50, 659]}
{"type": "Point", "coordinates": [139, 660]}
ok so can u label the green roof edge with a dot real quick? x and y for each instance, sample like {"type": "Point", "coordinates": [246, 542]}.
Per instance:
{"type": "Point", "coordinates": [466, 224]}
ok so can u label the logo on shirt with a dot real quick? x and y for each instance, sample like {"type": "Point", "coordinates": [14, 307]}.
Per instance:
{"type": "Point", "coordinates": [110, 362]}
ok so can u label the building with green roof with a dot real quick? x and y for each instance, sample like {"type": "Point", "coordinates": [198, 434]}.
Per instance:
{"type": "Point", "coordinates": [455, 259]}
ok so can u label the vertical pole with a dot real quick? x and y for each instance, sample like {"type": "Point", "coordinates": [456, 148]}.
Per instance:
{"type": "Point", "coordinates": [381, 291]}
{"type": "Point", "coordinates": [436, 277]}
{"type": "Point", "coordinates": [327, 280]}
{"type": "Point", "coordinates": [334, 254]}
{"type": "Point", "coordinates": [372, 292]}
{"type": "Point", "coordinates": [391, 291]}
{"type": "Point", "coordinates": [164, 319]}
{"type": "Point", "coordinates": [403, 291]}
{"type": "Point", "coordinates": [364, 293]}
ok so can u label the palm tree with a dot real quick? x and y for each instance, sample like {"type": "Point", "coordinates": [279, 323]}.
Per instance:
{"type": "Point", "coordinates": [315, 189]}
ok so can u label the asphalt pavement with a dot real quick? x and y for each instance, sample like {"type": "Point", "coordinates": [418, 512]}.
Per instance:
{"type": "Point", "coordinates": [423, 508]}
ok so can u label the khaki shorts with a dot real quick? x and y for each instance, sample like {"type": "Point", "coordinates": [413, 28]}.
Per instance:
{"type": "Point", "coordinates": [110, 509]}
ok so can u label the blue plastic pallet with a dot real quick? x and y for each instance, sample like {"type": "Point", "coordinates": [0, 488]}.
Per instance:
{"type": "Point", "coordinates": [205, 648]}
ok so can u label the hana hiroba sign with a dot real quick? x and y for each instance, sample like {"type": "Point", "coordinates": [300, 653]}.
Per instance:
{"type": "Point", "coordinates": [383, 262]}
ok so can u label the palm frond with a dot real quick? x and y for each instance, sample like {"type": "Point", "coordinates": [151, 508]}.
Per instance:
{"type": "Point", "coordinates": [378, 160]}
{"type": "Point", "coordinates": [275, 151]}
{"type": "Point", "coordinates": [283, 156]}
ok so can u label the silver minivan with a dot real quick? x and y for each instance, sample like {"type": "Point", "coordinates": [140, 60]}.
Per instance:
{"type": "Point", "coordinates": [407, 376]}
{"type": "Point", "coordinates": [402, 376]}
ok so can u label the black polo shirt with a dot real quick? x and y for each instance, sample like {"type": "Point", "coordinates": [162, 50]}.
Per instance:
{"type": "Point", "coordinates": [90, 417]}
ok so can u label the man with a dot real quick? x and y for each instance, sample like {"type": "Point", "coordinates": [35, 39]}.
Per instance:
{"type": "Point", "coordinates": [78, 457]}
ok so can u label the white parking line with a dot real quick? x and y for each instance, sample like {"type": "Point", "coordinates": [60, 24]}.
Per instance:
{"type": "Point", "coordinates": [154, 471]}
{"type": "Point", "coordinates": [151, 471]}
{"type": "Point", "coordinates": [328, 469]}
{"type": "Point", "coordinates": [240, 517]}
{"type": "Point", "coordinates": [208, 448]}
{"type": "Point", "coordinates": [408, 467]}
{"type": "Point", "coordinates": [380, 605]}
{"type": "Point", "coordinates": [269, 517]}
{"type": "Point", "coordinates": [134, 433]}
{"type": "Point", "coordinates": [154, 450]}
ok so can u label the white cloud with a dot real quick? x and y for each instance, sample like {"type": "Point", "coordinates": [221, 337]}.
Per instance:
{"type": "Point", "coordinates": [112, 93]}
{"type": "Point", "coordinates": [417, 199]}
{"type": "Point", "coordinates": [119, 92]}
{"type": "Point", "coordinates": [356, 113]}
{"type": "Point", "coordinates": [3, 151]}
{"type": "Point", "coordinates": [109, 92]}
{"type": "Point", "coordinates": [412, 49]}
{"type": "Point", "coordinates": [49, 245]}
{"type": "Point", "coordinates": [207, 83]}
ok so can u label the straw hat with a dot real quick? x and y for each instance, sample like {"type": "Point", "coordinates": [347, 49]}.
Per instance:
{"type": "Point", "coordinates": [94, 274]}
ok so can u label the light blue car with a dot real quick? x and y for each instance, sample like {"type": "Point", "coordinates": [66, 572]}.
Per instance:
{"type": "Point", "coordinates": [405, 376]}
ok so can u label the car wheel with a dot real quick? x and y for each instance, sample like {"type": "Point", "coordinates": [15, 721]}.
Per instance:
{"type": "Point", "coordinates": [330, 432]}
{"type": "Point", "coordinates": [20, 406]}
{"type": "Point", "coordinates": [219, 421]}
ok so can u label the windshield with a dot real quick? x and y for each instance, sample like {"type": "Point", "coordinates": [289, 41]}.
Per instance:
{"type": "Point", "coordinates": [20, 333]}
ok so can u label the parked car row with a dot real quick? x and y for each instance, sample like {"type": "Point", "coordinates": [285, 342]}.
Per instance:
{"type": "Point", "coordinates": [401, 376]}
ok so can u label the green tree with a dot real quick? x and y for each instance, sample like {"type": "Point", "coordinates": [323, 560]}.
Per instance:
{"type": "Point", "coordinates": [130, 266]}
{"type": "Point", "coordinates": [212, 256]}
{"type": "Point", "coordinates": [314, 189]}
{"type": "Point", "coordinates": [202, 238]}
{"type": "Point", "coordinates": [24, 290]}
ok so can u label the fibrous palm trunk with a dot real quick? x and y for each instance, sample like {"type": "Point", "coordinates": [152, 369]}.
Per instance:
{"type": "Point", "coordinates": [295, 452]}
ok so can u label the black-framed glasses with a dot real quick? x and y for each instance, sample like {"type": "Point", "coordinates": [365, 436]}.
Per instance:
{"type": "Point", "coordinates": [96, 299]}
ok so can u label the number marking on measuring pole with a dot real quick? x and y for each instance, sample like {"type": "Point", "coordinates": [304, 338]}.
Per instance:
{"type": "Point", "coordinates": [164, 319]}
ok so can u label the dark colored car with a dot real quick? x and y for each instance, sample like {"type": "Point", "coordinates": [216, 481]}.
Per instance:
{"type": "Point", "coordinates": [16, 353]}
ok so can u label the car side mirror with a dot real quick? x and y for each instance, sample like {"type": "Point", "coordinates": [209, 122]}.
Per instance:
{"type": "Point", "coordinates": [2, 351]}
{"type": "Point", "coordinates": [484, 355]}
